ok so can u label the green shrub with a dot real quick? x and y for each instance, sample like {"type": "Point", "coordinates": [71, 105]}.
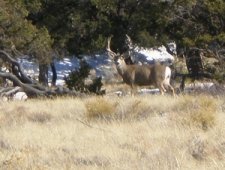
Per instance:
{"type": "Point", "coordinates": [96, 86]}
{"type": "Point", "coordinates": [76, 80]}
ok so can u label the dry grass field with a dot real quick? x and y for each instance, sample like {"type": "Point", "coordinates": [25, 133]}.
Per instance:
{"type": "Point", "coordinates": [125, 133]}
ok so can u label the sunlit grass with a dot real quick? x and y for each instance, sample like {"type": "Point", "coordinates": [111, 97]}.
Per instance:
{"type": "Point", "coordinates": [139, 132]}
{"type": "Point", "coordinates": [201, 110]}
{"type": "Point", "coordinates": [99, 107]}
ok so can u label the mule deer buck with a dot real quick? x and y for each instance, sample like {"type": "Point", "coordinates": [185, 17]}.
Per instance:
{"type": "Point", "coordinates": [142, 75]}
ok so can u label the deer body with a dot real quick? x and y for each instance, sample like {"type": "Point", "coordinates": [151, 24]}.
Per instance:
{"type": "Point", "coordinates": [136, 75]}
{"type": "Point", "coordinates": [145, 75]}
{"type": "Point", "coordinates": [142, 75]}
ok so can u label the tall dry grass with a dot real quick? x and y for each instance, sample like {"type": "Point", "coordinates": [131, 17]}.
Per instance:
{"type": "Point", "coordinates": [141, 132]}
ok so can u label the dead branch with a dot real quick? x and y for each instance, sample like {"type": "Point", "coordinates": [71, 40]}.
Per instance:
{"type": "Point", "coordinates": [16, 67]}
{"type": "Point", "coordinates": [31, 91]}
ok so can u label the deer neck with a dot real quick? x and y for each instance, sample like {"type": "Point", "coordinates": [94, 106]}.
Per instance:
{"type": "Point", "coordinates": [121, 67]}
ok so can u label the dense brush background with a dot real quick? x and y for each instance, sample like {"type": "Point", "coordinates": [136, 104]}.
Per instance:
{"type": "Point", "coordinates": [130, 132]}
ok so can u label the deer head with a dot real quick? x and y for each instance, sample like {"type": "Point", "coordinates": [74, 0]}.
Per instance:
{"type": "Point", "coordinates": [117, 57]}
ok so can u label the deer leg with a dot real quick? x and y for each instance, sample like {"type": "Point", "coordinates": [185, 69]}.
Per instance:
{"type": "Point", "coordinates": [161, 88]}
{"type": "Point", "coordinates": [161, 91]}
{"type": "Point", "coordinates": [133, 89]}
{"type": "Point", "coordinates": [171, 88]}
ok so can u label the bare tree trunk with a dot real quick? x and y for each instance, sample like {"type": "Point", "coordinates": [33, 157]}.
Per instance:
{"type": "Point", "coordinates": [54, 74]}
{"type": "Point", "coordinates": [43, 74]}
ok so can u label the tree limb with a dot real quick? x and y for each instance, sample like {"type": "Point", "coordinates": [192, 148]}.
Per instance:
{"type": "Point", "coordinates": [27, 88]}
{"type": "Point", "coordinates": [18, 71]}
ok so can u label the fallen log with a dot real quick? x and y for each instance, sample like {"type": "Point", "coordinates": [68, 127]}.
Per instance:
{"type": "Point", "coordinates": [28, 89]}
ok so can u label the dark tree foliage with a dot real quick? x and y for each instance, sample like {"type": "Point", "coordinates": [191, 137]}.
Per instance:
{"type": "Point", "coordinates": [18, 33]}
{"type": "Point", "coordinates": [198, 23]}
{"type": "Point", "coordinates": [82, 26]}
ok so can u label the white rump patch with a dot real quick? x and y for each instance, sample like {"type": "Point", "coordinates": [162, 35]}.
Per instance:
{"type": "Point", "coordinates": [167, 75]}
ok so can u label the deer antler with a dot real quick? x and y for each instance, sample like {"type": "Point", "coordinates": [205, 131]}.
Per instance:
{"type": "Point", "coordinates": [128, 39]}
{"type": "Point", "coordinates": [129, 42]}
{"type": "Point", "coordinates": [111, 53]}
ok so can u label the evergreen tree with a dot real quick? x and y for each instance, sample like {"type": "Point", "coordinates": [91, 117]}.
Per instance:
{"type": "Point", "coordinates": [16, 31]}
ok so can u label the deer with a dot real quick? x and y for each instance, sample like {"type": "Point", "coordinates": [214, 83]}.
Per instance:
{"type": "Point", "coordinates": [134, 75]}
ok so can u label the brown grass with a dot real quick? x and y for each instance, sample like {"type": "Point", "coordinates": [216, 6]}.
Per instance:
{"type": "Point", "coordinates": [144, 132]}
{"type": "Point", "coordinates": [199, 111]}
{"type": "Point", "coordinates": [99, 107]}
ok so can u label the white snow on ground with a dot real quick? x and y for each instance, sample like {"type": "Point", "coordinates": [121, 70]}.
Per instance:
{"type": "Point", "coordinates": [143, 55]}
{"type": "Point", "coordinates": [150, 55]}
{"type": "Point", "coordinates": [102, 64]}
{"type": "Point", "coordinates": [63, 67]}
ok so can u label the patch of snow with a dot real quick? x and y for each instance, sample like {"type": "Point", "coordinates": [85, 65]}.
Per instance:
{"type": "Point", "coordinates": [63, 68]}
{"type": "Point", "coordinates": [21, 96]}
{"type": "Point", "coordinates": [102, 64]}
{"type": "Point", "coordinates": [199, 86]}
{"type": "Point", "coordinates": [150, 55]}
{"type": "Point", "coordinates": [148, 91]}
{"type": "Point", "coordinates": [159, 53]}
